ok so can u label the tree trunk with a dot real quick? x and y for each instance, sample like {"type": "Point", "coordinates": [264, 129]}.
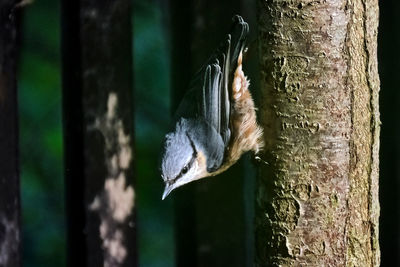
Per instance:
{"type": "Point", "coordinates": [9, 169]}
{"type": "Point", "coordinates": [98, 132]}
{"type": "Point", "coordinates": [317, 200]}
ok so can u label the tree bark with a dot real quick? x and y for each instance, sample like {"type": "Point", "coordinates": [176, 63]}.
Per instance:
{"type": "Point", "coordinates": [9, 161]}
{"type": "Point", "coordinates": [317, 200]}
{"type": "Point", "coordinates": [98, 132]}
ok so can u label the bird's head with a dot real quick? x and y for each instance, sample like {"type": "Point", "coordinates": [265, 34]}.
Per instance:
{"type": "Point", "coordinates": [182, 161]}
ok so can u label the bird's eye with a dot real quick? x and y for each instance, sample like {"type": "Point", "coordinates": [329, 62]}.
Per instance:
{"type": "Point", "coordinates": [185, 170]}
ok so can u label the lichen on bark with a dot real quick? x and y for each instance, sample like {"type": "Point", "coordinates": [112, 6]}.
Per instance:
{"type": "Point", "coordinates": [317, 200]}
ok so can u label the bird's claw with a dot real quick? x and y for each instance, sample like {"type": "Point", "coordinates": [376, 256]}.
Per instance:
{"type": "Point", "coordinates": [259, 160]}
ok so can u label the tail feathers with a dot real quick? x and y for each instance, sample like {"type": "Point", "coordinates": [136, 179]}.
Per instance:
{"type": "Point", "coordinates": [239, 32]}
{"type": "Point", "coordinates": [229, 50]}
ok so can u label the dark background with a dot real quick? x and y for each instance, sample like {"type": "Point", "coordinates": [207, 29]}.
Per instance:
{"type": "Point", "coordinates": [41, 149]}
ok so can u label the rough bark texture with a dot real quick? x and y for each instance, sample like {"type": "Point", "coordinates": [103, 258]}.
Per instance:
{"type": "Point", "coordinates": [317, 201]}
{"type": "Point", "coordinates": [9, 169]}
{"type": "Point", "coordinates": [98, 130]}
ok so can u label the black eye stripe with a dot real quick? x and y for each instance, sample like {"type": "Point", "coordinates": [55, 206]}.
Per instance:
{"type": "Point", "coordinates": [193, 147]}
{"type": "Point", "coordinates": [187, 167]}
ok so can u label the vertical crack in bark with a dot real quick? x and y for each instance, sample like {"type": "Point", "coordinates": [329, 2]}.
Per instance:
{"type": "Point", "coordinates": [349, 13]}
{"type": "Point", "coordinates": [362, 239]}
{"type": "Point", "coordinates": [371, 15]}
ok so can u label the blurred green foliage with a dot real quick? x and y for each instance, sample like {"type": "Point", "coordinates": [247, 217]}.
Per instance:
{"type": "Point", "coordinates": [41, 145]}
{"type": "Point", "coordinates": [151, 83]}
{"type": "Point", "coordinates": [41, 149]}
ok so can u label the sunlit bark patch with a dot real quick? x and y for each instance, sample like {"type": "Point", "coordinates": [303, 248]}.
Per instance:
{"type": "Point", "coordinates": [115, 203]}
{"type": "Point", "coordinates": [9, 238]}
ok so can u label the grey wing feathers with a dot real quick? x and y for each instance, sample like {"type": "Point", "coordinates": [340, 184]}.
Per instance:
{"type": "Point", "coordinates": [209, 96]}
{"type": "Point", "coordinates": [215, 102]}
{"type": "Point", "coordinates": [211, 102]}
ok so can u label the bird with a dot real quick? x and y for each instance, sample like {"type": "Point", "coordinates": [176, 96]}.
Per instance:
{"type": "Point", "coordinates": [215, 123]}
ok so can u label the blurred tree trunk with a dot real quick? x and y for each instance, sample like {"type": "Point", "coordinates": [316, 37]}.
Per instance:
{"type": "Point", "coordinates": [98, 132]}
{"type": "Point", "coordinates": [9, 161]}
{"type": "Point", "coordinates": [210, 215]}
{"type": "Point", "coordinates": [317, 201]}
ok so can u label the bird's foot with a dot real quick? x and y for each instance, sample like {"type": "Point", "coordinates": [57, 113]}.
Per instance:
{"type": "Point", "coordinates": [258, 160]}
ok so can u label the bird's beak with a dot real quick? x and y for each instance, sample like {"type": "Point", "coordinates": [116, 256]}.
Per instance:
{"type": "Point", "coordinates": [167, 190]}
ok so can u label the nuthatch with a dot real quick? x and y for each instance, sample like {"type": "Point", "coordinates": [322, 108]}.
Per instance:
{"type": "Point", "coordinates": [216, 120]}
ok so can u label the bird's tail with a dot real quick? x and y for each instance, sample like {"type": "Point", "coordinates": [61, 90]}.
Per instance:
{"type": "Point", "coordinates": [239, 32]}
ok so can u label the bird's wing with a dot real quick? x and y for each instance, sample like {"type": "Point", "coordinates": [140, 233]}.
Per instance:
{"type": "Point", "coordinates": [209, 96]}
